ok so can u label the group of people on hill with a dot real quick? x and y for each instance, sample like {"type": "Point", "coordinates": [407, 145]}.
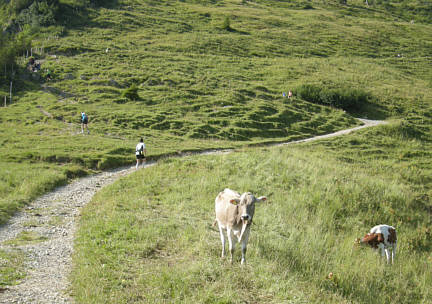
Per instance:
{"type": "Point", "coordinates": [35, 66]}
{"type": "Point", "coordinates": [140, 150]}
{"type": "Point", "coordinates": [289, 95]}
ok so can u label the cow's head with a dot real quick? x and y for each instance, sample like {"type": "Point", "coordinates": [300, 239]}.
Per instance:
{"type": "Point", "coordinates": [246, 208]}
{"type": "Point", "coordinates": [372, 239]}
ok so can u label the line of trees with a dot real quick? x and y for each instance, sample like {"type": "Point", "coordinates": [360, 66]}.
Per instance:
{"type": "Point", "coordinates": [11, 46]}
{"type": "Point", "coordinates": [34, 13]}
{"type": "Point", "coordinates": [19, 19]}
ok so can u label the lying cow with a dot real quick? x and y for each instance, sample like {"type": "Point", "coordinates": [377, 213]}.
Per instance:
{"type": "Point", "coordinates": [383, 238]}
{"type": "Point", "coordinates": [234, 213]}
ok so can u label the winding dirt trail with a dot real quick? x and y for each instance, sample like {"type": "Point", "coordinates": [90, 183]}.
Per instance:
{"type": "Point", "coordinates": [53, 218]}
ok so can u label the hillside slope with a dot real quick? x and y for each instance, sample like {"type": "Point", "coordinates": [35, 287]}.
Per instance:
{"type": "Point", "coordinates": [208, 74]}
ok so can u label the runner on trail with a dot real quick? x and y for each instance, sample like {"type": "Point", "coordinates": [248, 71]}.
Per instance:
{"type": "Point", "coordinates": [84, 122]}
{"type": "Point", "coordinates": [140, 153]}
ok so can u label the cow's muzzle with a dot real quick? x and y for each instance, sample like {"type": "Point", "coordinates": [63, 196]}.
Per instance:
{"type": "Point", "coordinates": [247, 220]}
{"type": "Point", "coordinates": [246, 217]}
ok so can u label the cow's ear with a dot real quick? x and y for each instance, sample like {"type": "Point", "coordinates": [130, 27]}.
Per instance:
{"type": "Point", "coordinates": [261, 199]}
{"type": "Point", "coordinates": [369, 237]}
{"type": "Point", "coordinates": [235, 201]}
{"type": "Point", "coordinates": [380, 237]}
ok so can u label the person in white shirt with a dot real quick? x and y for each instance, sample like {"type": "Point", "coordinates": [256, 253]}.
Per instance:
{"type": "Point", "coordinates": [140, 153]}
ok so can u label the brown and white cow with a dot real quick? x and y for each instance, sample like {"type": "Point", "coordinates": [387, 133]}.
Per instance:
{"type": "Point", "coordinates": [234, 213]}
{"type": "Point", "coordinates": [383, 238]}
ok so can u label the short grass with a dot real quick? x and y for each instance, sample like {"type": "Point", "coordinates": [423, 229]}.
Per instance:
{"type": "Point", "coordinates": [12, 267]}
{"type": "Point", "coordinates": [149, 237]}
{"type": "Point", "coordinates": [25, 238]}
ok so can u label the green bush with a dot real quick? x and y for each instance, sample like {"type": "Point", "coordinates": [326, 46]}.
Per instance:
{"type": "Point", "coordinates": [18, 5]}
{"type": "Point", "coordinates": [227, 24]}
{"type": "Point", "coordinates": [344, 98]}
{"type": "Point", "coordinates": [309, 92]}
{"type": "Point", "coordinates": [38, 14]}
{"type": "Point", "coordinates": [131, 93]}
{"type": "Point", "coordinates": [10, 47]}
{"type": "Point", "coordinates": [99, 3]}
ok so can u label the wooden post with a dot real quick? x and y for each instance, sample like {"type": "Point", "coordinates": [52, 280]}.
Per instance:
{"type": "Point", "coordinates": [5, 98]}
{"type": "Point", "coordinates": [10, 92]}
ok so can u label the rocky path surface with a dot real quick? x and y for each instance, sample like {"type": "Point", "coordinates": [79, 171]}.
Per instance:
{"type": "Point", "coordinates": [52, 218]}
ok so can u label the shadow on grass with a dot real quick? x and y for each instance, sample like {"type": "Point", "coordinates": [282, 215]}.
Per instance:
{"type": "Point", "coordinates": [232, 30]}
{"type": "Point", "coordinates": [78, 16]}
{"type": "Point", "coordinates": [370, 111]}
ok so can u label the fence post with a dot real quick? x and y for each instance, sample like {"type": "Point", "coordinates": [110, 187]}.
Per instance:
{"type": "Point", "coordinates": [10, 92]}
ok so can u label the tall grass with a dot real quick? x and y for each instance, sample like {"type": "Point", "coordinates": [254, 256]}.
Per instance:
{"type": "Point", "coordinates": [148, 238]}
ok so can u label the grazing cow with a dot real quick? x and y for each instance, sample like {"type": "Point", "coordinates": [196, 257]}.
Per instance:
{"type": "Point", "coordinates": [234, 213]}
{"type": "Point", "coordinates": [383, 238]}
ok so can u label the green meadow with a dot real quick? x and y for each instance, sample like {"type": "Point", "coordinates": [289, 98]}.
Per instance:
{"type": "Point", "coordinates": [149, 238]}
{"type": "Point", "coordinates": [210, 75]}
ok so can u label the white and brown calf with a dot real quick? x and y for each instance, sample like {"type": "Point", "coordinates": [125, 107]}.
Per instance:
{"type": "Point", "coordinates": [382, 238]}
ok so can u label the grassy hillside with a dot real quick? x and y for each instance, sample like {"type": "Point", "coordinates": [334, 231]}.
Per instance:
{"type": "Point", "coordinates": [149, 238]}
{"type": "Point", "coordinates": [210, 74]}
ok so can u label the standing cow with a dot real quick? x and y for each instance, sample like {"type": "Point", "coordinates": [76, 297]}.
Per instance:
{"type": "Point", "coordinates": [234, 213]}
{"type": "Point", "coordinates": [383, 238]}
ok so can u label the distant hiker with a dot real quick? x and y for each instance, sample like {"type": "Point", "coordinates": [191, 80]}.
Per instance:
{"type": "Point", "coordinates": [290, 94]}
{"type": "Point", "coordinates": [283, 94]}
{"type": "Point", "coordinates": [84, 122]}
{"type": "Point", "coordinates": [48, 75]}
{"type": "Point", "coordinates": [140, 153]}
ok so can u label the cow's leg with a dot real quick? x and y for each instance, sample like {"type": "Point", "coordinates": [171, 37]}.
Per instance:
{"type": "Point", "coordinates": [384, 251]}
{"type": "Point", "coordinates": [393, 256]}
{"type": "Point", "coordinates": [222, 240]}
{"type": "Point", "coordinates": [387, 253]}
{"type": "Point", "coordinates": [244, 247]}
{"type": "Point", "coordinates": [231, 243]}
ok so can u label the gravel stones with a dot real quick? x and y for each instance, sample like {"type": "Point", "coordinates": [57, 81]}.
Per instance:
{"type": "Point", "coordinates": [53, 217]}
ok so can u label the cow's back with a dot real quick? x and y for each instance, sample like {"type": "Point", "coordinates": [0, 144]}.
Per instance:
{"type": "Point", "coordinates": [388, 232]}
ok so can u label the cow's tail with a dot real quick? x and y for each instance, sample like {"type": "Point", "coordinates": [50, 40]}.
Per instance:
{"type": "Point", "coordinates": [214, 223]}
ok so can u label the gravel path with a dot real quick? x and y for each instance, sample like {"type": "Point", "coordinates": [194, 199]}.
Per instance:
{"type": "Point", "coordinates": [54, 217]}
{"type": "Point", "coordinates": [366, 123]}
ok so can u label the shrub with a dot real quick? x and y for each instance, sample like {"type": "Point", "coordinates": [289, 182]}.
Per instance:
{"type": "Point", "coordinates": [344, 98]}
{"type": "Point", "coordinates": [10, 46]}
{"type": "Point", "coordinates": [309, 92]}
{"type": "Point", "coordinates": [131, 93]}
{"type": "Point", "coordinates": [18, 5]}
{"type": "Point", "coordinates": [227, 24]}
{"type": "Point", "coordinates": [39, 13]}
